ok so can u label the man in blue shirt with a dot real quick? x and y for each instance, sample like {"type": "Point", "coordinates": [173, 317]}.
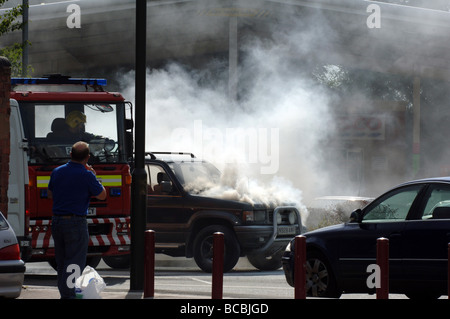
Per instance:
{"type": "Point", "coordinates": [71, 186]}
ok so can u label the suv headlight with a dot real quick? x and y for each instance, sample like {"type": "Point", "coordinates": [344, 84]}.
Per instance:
{"type": "Point", "coordinates": [248, 215]}
{"type": "Point", "coordinates": [279, 219]}
{"type": "Point", "coordinates": [254, 216]}
{"type": "Point", "coordinates": [292, 218]}
{"type": "Point", "coordinates": [260, 215]}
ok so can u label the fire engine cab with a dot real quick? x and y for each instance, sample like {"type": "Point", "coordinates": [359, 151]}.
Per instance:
{"type": "Point", "coordinates": [55, 112]}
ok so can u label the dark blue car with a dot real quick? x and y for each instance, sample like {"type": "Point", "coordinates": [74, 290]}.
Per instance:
{"type": "Point", "coordinates": [414, 216]}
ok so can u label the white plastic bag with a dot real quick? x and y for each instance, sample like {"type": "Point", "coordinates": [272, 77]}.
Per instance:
{"type": "Point", "coordinates": [90, 284]}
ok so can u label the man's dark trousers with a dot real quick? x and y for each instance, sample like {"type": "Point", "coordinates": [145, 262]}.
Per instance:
{"type": "Point", "coordinates": [71, 238]}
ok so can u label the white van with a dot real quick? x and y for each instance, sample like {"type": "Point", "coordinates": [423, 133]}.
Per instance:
{"type": "Point", "coordinates": [18, 182]}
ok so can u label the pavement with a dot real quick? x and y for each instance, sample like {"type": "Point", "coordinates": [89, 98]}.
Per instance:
{"type": "Point", "coordinates": [40, 282]}
{"type": "Point", "coordinates": [44, 292]}
{"type": "Point", "coordinates": [117, 282]}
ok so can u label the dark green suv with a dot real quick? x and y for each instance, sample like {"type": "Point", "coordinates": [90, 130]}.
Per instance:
{"type": "Point", "coordinates": [184, 218]}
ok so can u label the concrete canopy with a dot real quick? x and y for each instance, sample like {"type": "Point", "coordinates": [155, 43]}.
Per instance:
{"type": "Point", "coordinates": [410, 41]}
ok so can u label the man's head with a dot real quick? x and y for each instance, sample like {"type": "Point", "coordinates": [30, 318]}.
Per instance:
{"type": "Point", "coordinates": [80, 152]}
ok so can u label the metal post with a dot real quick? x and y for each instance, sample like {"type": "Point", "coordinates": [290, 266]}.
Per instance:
{"type": "Point", "coordinates": [25, 38]}
{"type": "Point", "coordinates": [383, 263]}
{"type": "Point", "coordinates": [139, 182]}
{"type": "Point", "coordinates": [149, 287]}
{"type": "Point", "coordinates": [233, 58]}
{"type": "Point", "coordinates": [300, 267]}
{"type": "Point", "coordinates": [217, 274]}
{"type": "Point", "coordinates": [416, 125]}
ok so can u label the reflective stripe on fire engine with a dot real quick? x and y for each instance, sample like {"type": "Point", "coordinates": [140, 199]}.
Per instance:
{"type": "Point", "coordinates": [44, 239]}
{"type": "Point", "coordinates": [110, 180]}
{"type": "Point", "coordinates": [41, 239]}
{"type": "Point", "coordinates": [42, 181]}
{"type": "Point", "coordinates": [106, 180]}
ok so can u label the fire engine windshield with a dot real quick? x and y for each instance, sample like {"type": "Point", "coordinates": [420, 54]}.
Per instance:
{"type": "Point", "coordinates": [52, 128]}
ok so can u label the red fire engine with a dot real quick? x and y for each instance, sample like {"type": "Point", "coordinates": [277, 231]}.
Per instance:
{"type": "Point", "coordinates": [52, 121]}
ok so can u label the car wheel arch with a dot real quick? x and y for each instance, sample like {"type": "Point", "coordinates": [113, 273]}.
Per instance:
{"type": "Point", "coordinates": [315, 250]}
{"type": "Point", "coordinates": [200, 221]}
{"type": "Point", "coordinates": [202, 247]}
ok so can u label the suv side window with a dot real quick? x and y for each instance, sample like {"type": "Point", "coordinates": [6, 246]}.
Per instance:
{"type": "Point", "coordinates": [438, 203]}
{"type": "Point", "coordinates": [158, 181]}
{"type": "Point", "coordinates": [394, 206]}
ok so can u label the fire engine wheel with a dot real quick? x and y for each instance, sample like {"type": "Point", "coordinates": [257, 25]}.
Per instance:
{"type": "Point", "coordinates": [203, 248]}
{"type": "Point", "coordinates": [92, 261]}
{"type": "Point", "coordinates": [118, 262]}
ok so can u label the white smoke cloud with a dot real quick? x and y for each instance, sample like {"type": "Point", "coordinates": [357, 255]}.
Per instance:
{"type": "Point", "coordinates": [287, 118]}
{"type": "Point", "coordinates": [267, 143]}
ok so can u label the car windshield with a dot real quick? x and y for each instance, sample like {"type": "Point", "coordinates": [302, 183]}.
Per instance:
{"type": "Point", "coordinates": [196, 176]}
{"type": "Point", "coordinates": [52, 128]}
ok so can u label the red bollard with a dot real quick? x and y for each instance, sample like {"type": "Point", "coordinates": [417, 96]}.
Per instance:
{"type": "Point", "coordinates": [300, 267]}
{"type": "Point", "coordinates": [217, 271]}
{"type": "Point", "coordinates": [383, 263]}
{"type": "Point", "coordinates": [149, 275]}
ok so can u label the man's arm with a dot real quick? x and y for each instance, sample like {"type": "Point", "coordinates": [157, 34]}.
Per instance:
{"type": "Point", "coordinates": [102, 194]}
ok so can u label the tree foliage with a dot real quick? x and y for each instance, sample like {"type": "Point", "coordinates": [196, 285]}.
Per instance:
{"type": "Point", "coordinates": [10, 21]}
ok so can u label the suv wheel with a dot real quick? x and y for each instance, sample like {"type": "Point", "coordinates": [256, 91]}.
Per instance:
{"type": "Point", "coordinates": [266, 263]}
{"type": "Point", "coordinates": [203, 248]}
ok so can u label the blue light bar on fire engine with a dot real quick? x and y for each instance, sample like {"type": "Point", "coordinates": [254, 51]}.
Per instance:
{"type": "Point", "coordinates": [58, 80]}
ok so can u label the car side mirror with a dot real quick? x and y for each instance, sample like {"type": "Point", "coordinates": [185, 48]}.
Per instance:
{"type": "Point", "coordinates": [356, 216]}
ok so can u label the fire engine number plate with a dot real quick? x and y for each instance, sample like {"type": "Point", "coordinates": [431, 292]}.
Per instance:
{"type": "Point", "coordinates": [92, 211]}
{"type": "Point", "coordinates": [286, 230]}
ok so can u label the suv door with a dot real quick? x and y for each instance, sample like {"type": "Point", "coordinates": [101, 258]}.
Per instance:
{"type": "Point", "coordinates": [165, 209]}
